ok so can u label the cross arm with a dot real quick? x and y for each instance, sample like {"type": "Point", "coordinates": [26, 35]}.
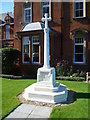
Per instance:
{"type": "Point", "coordinates": [49, 19]}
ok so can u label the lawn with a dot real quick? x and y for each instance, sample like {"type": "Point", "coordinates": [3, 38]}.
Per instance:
{"type": "Point", "coordinates": [78, 109]}
{"type": "Point", "coordinates": [10, 90]}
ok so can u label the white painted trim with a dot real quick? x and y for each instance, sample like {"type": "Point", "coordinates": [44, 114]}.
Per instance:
{"type": "Point", "coordinates": [84, 6]}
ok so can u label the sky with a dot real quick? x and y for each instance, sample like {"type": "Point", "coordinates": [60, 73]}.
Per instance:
{"type": "Point", "coordinates": [6, 6]}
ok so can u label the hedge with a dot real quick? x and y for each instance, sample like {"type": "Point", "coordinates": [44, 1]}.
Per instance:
{"type": "Point", "coordinates": [9, 60]}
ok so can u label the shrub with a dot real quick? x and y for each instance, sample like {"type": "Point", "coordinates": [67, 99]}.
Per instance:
{"type": "Point", "coordinates": [9, 59]}
{"type": "Point", "coordinates": [75, 75]}
{"type": "Point", "coordinates": [82, 74]}
{"type": "Point", "coordinates": [63, 69]}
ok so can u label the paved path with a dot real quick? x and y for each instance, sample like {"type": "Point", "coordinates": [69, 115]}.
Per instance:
{"type": "Point", "coordinates": [30, 111]}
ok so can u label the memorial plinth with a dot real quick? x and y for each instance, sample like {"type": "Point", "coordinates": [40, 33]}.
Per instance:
{"type": "Point", "coordinates": [46, 89]}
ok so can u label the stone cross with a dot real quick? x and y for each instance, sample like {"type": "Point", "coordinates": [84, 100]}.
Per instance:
{"type": "Point", "coordinates": [46, 41]}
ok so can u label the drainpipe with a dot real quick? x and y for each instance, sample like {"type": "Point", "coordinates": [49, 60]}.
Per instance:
{"type": "Point", "coordinates": [61, 35]}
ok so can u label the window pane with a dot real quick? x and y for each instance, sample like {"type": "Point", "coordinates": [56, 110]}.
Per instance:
{"type": "Point", "coordinates": [35, 53]}
{"type": "Point", "coordinates": [78, 57]}
{"type": "Point", "coordinates": [45, 8]}
{"type": "Point", "coordinates": [29, 12]}
{"type": "Point", "coordinates": [77, 13]}
{"type": "Point", "coordinates": [77, 5]}
{"type": "Point", "coordinates": [78, 48]}
{"type": "Point", "coordinates": [25, 12]}
{"type": "Point", "coordinates": [26, 48]}
{"type": "Point", "coordinates": [81, 12]}
{"type": "Point", "coordinates": [29, 18]}
{"type": "Point", "coordinates": [7, 31]}
{"type": "Point", "coordinates": [35, 49]}
{"type": "Point", "coordinates": [27, 6]}
{"type": "Point", "coordinates": [25, 19]}
{"type": "Point", "coordinates": [7, 27]}
{"type": "Point", "coordinates": [45, 3]}
{"type": "Point", "coordinates": [26, 57]}
{"type": "Point", "coordinates": [43, 11]}
{"type": "Point", "coordinates": [81, 5]}
{"type": "Point", "coordinates": [35, 59]}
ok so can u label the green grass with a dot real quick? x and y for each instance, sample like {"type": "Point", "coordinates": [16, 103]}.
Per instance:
{"type": "Point", "coordinates": [0, 98]}
{"type": "Point", "coordinates": [78, 109]}
{"type": "Point", "coordinates": [10, 90]}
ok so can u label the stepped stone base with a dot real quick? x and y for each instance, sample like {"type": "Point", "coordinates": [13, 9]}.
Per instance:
{"type": "Point", "coordinates": [46, 89]}
{"type": "Point", "coordinates": [31, 93]}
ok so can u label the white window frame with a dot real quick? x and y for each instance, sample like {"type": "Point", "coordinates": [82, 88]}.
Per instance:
{"type": "Point", "coordinates": [7, 31]}
{"type": "Point", "coordinates": [84, 8]}
{"type": "Point", "coordinates": [37, 43]}
{"type": "Point", "coordinates": [79, 53]}
{"type": "Point", "coordinates": [44, 6]}
{"type": "Point", "coordinates": [25, 9]}
{"type": "Point", "coordinates": [25, 41]}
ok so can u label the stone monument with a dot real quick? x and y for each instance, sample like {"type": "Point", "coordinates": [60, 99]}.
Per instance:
{"type": "Point", "coordinates": [46, 89]}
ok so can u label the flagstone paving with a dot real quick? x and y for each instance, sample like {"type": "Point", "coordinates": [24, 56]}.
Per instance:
{"type": "Point", "coordinates": [30, 111]}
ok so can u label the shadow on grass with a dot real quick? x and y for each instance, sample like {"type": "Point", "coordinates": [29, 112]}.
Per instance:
{"type": "Point", "coordinates": [73, 96]}
{"type": "Point", "coordinates": [82, 95]}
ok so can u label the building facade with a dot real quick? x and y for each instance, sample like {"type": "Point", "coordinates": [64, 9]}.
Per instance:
{"type": "Point", "coordinates": [69, 33]}
{"type": "Point", "coordinates": [6, 30]}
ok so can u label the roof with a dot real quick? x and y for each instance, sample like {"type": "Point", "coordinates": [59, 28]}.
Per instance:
{"type": "Point", "coordinates": [3, 15]}
{"type": "Point", "coordinates": [1, 22]}
{"type": "Point", "coordinates": [33, 27]}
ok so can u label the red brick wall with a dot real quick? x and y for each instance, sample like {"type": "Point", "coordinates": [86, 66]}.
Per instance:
{"type": "Point", "coordinates": [36, 13]}
{"type": "Point", "coordinates": [54, 25]}
{"type": "Point", "coordinates": [68, 25]}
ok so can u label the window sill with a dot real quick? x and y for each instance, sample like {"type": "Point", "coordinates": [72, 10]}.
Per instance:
{"type": "Point", "coordinates": [79, 63]}
{"type": "Point", "coordinates": [24, 63]}
{"type": "Point", "coordinates": [74, 18]}
{"type": "Point", "coordinates": [37, 63]}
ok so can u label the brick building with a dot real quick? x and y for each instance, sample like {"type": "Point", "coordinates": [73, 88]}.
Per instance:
{"type": "Point", "coordinates": [7, 30]}
{"type": "Point", "coordinates": [69, 33]}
